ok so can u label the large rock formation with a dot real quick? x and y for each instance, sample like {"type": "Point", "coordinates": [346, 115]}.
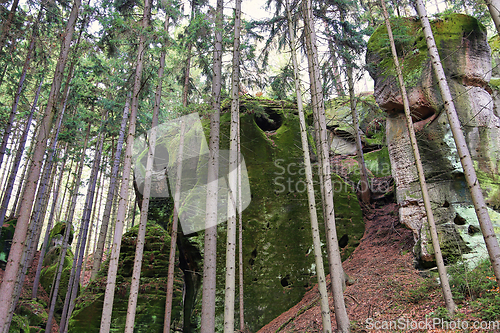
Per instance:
{"type": "Point", "coordinates": [465, 56]}
{"type": "Point", "coordinates": [277, 245]}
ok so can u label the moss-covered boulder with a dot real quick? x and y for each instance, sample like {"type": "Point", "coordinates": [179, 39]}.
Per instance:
{"type": "Point", "coordinates": [277, 242]}
{"type": "Point", "coordinates": [49, 272]}
{"type": "Point", "coordinates": [151, 301]}
{"type": "Point", "coordinates": [465, 55]}
{"type": "Point", "coordinates": [7, 232]}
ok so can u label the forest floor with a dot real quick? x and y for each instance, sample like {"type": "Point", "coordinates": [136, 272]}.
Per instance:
{"type": "Point", "coordinates": [387, 289]}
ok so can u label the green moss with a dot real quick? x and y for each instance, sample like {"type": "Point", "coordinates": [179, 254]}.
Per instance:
{"type": "Point", "coordinates": [19, 324]}
{"type": "Point", "coordinates": [378, 162]}
{"type": "Point", "coordinates": [151, 300]}
{"type": "Point", "coordinates": [411, 45]}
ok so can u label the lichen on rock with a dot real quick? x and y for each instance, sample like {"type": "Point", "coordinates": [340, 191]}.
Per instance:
{"type": "Point", "coordinates": [465, 55]}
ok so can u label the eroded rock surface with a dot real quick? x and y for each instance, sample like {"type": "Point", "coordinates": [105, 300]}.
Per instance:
{"type": "Point", "coordinates": [465, 55]}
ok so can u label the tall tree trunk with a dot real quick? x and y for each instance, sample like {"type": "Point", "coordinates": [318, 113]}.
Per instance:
{"type": "Point", "coordinates": [463, 151]}
{"type": "Point", "coordinates": [230, 290]}
{"type": "Point", "coordinates": [445, 285]}
{"type": "Point", "coordinates": [82, 237]}
{"type": "Point", "coordinates": [365, 186]}
{"type": "Point", "coordinates": [7, 24]}
{"type": "Point", "coordinates": [39, 210]}
{"type": "Point", "coordinates": [34, 293]}
{"type": "Point", "coordinates": [494, 8]}
{"type": "Point", "coordinates": [17, 161]}
{"type": "Point", "coordinates": [20, 85]}
{"type": "Point", "coordinates": [57, 279]}
{"type": "Point", "coordinates": [76, 180]}
{"type": "Point", "coordinates": [18, 242]}
{"type": "Point", "coordinates": [115, 251]}
{"type": "Point", "coordinates": [141, 235]}
{"type": "Point", "coordinates": [336, 270]}
{"type": "Point", "coordinates": [111, 193]}
{"type": "Point", "coordinates": [173, 238]}
{"type": "Point", "coordinates": [93, 220]}
{"type": "Point", "coordinates": [210, 250]}
{"type": "Point", "coordinates": [318, 256]}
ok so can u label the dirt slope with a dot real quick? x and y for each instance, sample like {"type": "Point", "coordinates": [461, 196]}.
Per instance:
{"type": "Point", "coordinates": [384, 288]}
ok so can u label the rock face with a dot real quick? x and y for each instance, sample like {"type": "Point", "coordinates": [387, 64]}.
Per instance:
{"type": "Point", "coordinates": [465, 55]}
{"type": "Point", "coordinates": [277, 242]}
{"type": "Point", "coordinates": [151, 300]}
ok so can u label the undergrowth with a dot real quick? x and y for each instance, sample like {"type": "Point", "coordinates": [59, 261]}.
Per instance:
{"type": "Point", "coordinates": [477, 286]}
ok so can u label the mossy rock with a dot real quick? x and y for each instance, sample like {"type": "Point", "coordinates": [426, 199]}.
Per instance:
{"type": "Point", "coordinates": [277, 241]}
{"type": "Point", "coordinates": [19, 324]}
{"type": "Point", "coordinates": [34, 311]}
{"type": "Point", "coordinates": [7, 232]}
{"type": "Point", "coordinates": [57, 234]}
{"type": "Point", "coordinates": [49, 272]}
{"type": "Point", "coordinates": [151, 300]}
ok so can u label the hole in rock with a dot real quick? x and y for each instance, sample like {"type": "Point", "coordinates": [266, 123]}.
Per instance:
{"type": "Point", "coordinates": [459, 220]}
{"type": "Point", "coordinates": [269, 121]}
{"type": "Point", "coordinates": [446, 204]}
{"type": "Point", "coordinates": [343, 241]}
{"type": "Point", "coordinates": [284, 281]}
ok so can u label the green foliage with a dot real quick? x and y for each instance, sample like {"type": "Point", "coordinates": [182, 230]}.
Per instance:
{"type": "Point", "coordinates": [478, 286]}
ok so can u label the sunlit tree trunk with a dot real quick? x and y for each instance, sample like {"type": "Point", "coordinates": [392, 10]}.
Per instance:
{"type": "Point", "coordinates": [230, 290]}
{"type": "Point", "coordinates": [20, 86]}
{"type": "Point", "coordinates": [463, 151]}
{"type": "Point", "coordinates": [34, 293]}
{"type": "Point", "coordinates": [336, 270]}
{"type": "Point", "coordinates": [445, 285]}
{"type": "Point", "coordinates": [141, 234]}
{"type": "Point", "coordinates": [111, 193]}
{"type": "Point", "coordinates": [210, 250]}
{"type": "Point", "coordinates": [17, 161]}
{"type": "Point", "coordinates": [364, 184]}
{"type": "Point", "coordinates": [494, 8]}
{"type": "Point", "coordinates": [127, 164]}
{"type": "Point", "coordinates": [82, 237]}
{"type": "Point", "coordinates": [318, 256]}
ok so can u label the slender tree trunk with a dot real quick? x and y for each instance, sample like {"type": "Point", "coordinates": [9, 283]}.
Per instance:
{"type": "Point", "coordinates": [14, 261]}
{"type": "Point", "coordinates": [365, 186]}
{"type": "Point", "coordinates": [463, 151]}
{"type": "Point", "coordinates": [60, 204]}
{"type": "Point", "coordinates": [93, 220]}
{"type": "Point", "coordinates": [82, 237]}
{"type": "Point", "coordinates": [39, 211]}
{"type": "Point", "coordinates": [115, 252]}
{"type": "Point", "coordinates": [27, 167]}
{"type": "Point", "coordinates": [322, 287]}
{"type": "Point", "coordinates": [20, 85]}
{"type": "Point", "coordinates": [141, 235]}
{"type": "Point", "coordinates": [336, 270]}
{"type": "Point", "coordinates": [45, 244]}
{"type": "Point", "coordinates": [6, 25]}
{"type": "Point", "coordinates": [17, 161]}
{"type": "Point", "coordinates": [57, 279]}
{"type": "Point", "coordinates": [111, 193]}
{"type": "Point", "coordinates": [173, 238]}
{"type": "Point", "coordinates": [210, 250]}
{"type": "Point", "coordinates": [230, 289]}
{"type": "Point", "coordinates": [240, 236]}
{"type": "Point", "coordinates": [445, 285]}
{"type": "Point", "coordinates": [494, 8]}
